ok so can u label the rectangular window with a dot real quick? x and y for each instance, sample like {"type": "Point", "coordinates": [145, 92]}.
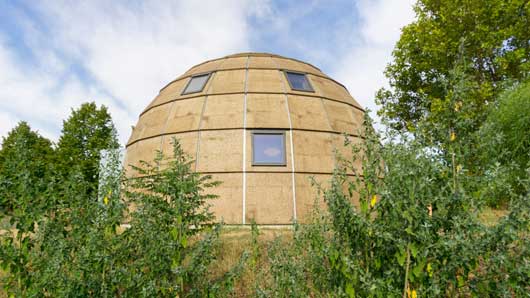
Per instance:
{"type": "Point", "coordinates": [268, 148]}
{"type": "Point", "coordinates": [298, 81]}
{"type": "Point", "coordinates": [196, 83]}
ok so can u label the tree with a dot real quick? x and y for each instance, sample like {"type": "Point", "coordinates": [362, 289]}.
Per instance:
{"type": "Point", "coordinates": [490, 37]}
{"type": "Point", "coordinates": [505, 150]}
{"type": "Point", "coordinates": [82, 248]}
{"type": "Point", "coordinates": [85, 133]}
{"type": "Point", "coordinates": [24, 166]}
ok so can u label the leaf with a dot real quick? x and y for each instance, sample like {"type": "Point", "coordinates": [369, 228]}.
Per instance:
{"type": "Point", "coordinates": [401, 257]}
{"type": "Point", "coordinates": [460, 281]}
{"type": "Point", "coordinates": [350, 290]}
{"type": "Point", "coordinates": [413, 249]}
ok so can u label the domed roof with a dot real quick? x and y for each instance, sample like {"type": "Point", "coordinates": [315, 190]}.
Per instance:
{"type": "Point", "coordinates": [221, 109]}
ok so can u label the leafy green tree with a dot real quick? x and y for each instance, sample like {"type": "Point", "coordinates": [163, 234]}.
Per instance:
{"type": "Point", "coordinates": [25, 159]}
{"type": "Point", "coordinates": [505, 147]}
{"type": "Point", "coordinates": [85, 133]}
{"type": "Point", "coordinates": [490, 37]}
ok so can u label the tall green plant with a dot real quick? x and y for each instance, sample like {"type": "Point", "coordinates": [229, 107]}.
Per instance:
{"type": "Point", "coordinates": [83, 248]}
{"type": "Point", "coordinates": [406, 225]}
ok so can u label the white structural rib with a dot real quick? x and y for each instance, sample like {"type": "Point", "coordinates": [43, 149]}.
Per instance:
{"type": "Point", "coordinates": [244, 188]}
{"type": "Point", "coordinates": [290, 140]}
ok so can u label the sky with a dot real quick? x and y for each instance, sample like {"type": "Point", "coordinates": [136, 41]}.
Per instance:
{"type": "Point", "coordinates": [56, 55]}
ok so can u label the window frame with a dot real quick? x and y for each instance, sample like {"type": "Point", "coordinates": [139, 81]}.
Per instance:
{"type": "Point", "coordinates": [285, 72]}
{"type": "Point", "coordinates": [208, 74]}
{"type": "Point", "coordinates": [284, 148]}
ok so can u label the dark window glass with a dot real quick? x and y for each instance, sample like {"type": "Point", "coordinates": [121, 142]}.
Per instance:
{"type": "Point", "coordinates": [196, 83]}
{"type": "Point", "coordinates": [268, 148]}
{"type": "Point", "coordinates": [298, 81]}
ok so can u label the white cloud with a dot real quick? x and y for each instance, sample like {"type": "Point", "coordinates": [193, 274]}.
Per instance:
{"type": "Point", "coordinates": [7, 122]}
{"type": "Point", "coordinates": [361, 69]}
{"type": "Point", "coordinates": [120, 53]}
{"type": "Point", "coordinates": [115, 53]}
{"type": "Point", "coordinates": [272, 152]}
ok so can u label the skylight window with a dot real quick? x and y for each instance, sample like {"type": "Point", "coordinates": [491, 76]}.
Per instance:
{"type": "Point", "coordinates": [196, 83]}
{"type": "Point", "coordinates": [298, 81]}
{"type": "Point", "coordinates": [268, 148]}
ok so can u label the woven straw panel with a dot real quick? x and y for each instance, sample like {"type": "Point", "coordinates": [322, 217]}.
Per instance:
{"type": "Point", "coordinates": [223, 111]}
{"type": "Point", "coordinates": [205, 67]}
{"type": "Point", "coordinates": [228, 207]}
{"type": "Point", "coordinates": [185, 115]}
{"type": "Point", "coordinates": [220, 151]}
{"type": "Point", "coordinates": [307, 113]}
{"type": "Point", "coordinates": [307, 195]}
{"type": "Point", "coordinates": [171, 92]}
{"type": "Point", "coordinates": [288, 64]}
{"type": "Point", "coordinates": [263, 80]}
{"type": "Point", "coordinates": [269, 198]}
{"type": "Point", "coordinates": [340, 117]}
{"type": "Point", "coordinates": [267, 111]}
{"type": "Point", "coordinates": [228, 81]}
{"type": "Point", "coordinates": [232, 63]}
{"type": "Point", "coordinates": [313, 151]}
{"type": "Point", "coordinates": [261, 62]}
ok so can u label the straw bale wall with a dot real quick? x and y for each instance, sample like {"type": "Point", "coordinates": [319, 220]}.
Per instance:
{"type": "Point", "coordinates": [246, 93]}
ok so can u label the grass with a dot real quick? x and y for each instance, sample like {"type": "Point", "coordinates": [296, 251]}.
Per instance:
{"type": "Point", "coordinates": [234, 241]}
{"type": "Point", "coordinates": [491, 217]}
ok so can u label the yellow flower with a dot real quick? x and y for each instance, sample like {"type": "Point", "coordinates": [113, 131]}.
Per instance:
{"type": "Point", "coordinates": [458, 168]}
{"type": "Point", "coordinates": [458, 105]}
{"type": "Point", "coordinates": [429, 269]}
{"type": "Point", "coordinates": [373, 201]}
{"type": "Point", "coordinates": [413, 294]}
{"type": "Point", "coordinates": [106, 200]}
{"type": "Point", "coordinates": [453, 136]}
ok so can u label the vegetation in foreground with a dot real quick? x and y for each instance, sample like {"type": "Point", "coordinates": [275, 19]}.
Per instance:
{"type": "Point", "coordinates": [459, 143]}
{"type": "Point", "coordinates": [416, 232]}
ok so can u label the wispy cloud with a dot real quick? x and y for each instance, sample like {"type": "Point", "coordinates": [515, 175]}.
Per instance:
{"type": "Point", "coordinates": [55, 55]}
{"type": "Point", "coordinates": [115, 53]}
{"type": "Point", "coordinates": [361, 68]}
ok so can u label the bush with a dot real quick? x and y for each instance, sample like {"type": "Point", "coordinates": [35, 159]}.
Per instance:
{"type": "Point", "coordinates": [415, 232]}
{"type": "Point", "coordinates": [82, 249]}
{"type": "Point", "coordinates": [505, 145]}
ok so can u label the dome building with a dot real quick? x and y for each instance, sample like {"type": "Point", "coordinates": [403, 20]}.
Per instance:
{"type": "Point", "coordinates": [261, 124]}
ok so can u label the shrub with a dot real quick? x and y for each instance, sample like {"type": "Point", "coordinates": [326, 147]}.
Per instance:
{"type": "Point", "coordinates": [415, 232]}
{"type": "Point", "coordinates": [81, 248]}
{"type": "Point", "coordinates": [505, 145]}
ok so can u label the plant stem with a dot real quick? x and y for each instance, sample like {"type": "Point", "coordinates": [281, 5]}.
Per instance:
{"type": "Point", "coordinates": [405, 288]}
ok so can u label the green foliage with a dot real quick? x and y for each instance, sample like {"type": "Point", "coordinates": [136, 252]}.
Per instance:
{"type": "Point", "coordinates": [490, 37]}
{"type": "Point", "coordinates": [82, 249]}
{"type": "Point", "coordinates": [505, 146]}
{"type": "Point", "coordinates": [414, 230]}
{"type": "Point", "coordinates": [24, 167]}
{"type": "Point", "coordinates": [85, 133]}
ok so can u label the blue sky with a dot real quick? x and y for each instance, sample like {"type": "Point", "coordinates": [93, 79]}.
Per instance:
{"type": "Point", "coordinates": [55, 55]}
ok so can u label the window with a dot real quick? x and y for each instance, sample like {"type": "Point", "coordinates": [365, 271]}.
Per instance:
{"type": "Point", "coordinates": [268, 148]}
{"type": "Point", "coordinates": [298, 81]}
{"type": "Point", "coordinates": [196, 83]}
